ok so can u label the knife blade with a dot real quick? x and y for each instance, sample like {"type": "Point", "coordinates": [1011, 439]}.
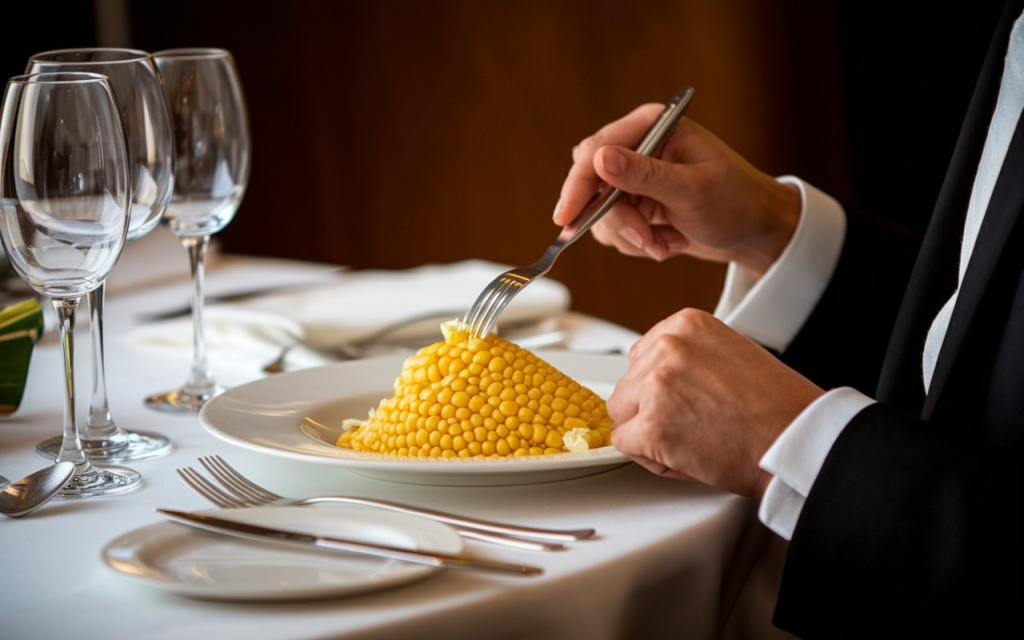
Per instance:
{"type": "Point", "coordinates": [430, 558]}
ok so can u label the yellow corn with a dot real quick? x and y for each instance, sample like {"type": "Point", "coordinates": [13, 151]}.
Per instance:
{"type": "Point", "coordinates": [481, 398]}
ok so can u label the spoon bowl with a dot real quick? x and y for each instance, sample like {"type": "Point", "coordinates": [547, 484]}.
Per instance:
{"type": "Point", "coordinates": [31, 492]}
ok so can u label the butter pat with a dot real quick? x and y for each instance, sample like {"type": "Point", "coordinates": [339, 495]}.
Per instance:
{"type": "Point", "coordinates": [576, 440]}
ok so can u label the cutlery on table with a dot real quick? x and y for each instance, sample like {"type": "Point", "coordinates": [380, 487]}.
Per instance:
{"type": "Point", "coordinates": [356, 349]}
{"type": "Point", "coordinates": [267, 534]}
{"type": "Point", "coordinates": [231, 296]}
{"type": "Point", "coordinates": [495, 297]}
{"type": "Point", "coordinates": [24, 496]}
{"type": "Point", "coordinates": [237, 491]}
{"type": "Point", "coordinates": [529, 334]}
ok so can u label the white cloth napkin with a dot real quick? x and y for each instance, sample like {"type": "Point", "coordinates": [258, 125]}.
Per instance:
{"type": "Point", "coordinates": [243, 338]}
{"type": "Point", "coordinates": [250, 333]}
{"type": "Point", "coordinates": [363, 301]}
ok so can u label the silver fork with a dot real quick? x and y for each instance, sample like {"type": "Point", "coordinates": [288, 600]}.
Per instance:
{"type": "Point", "coordinates": [237, 491]}
{"type": "Point", "coordinates": [496, 295]}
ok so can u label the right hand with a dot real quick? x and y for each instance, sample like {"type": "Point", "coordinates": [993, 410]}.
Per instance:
{"type": "Point", "coordinates": [699, 197]}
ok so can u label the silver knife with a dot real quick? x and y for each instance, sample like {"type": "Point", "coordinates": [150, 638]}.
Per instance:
{"type": "Point", "coordinates": [430, 558]}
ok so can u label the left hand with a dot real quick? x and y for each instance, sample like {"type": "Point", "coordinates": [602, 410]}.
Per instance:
{"type": "Point", "coordinates": [702, 401]}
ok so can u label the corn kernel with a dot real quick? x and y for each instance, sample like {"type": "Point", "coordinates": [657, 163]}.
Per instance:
{"type": "Point", "coordinates": [480, 399]}
{"type": "Point", "coordinates": [508, 408]}
{"type": "Point", "coordinates": [553, 440]}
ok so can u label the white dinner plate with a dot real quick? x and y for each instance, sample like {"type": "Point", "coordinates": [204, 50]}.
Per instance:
{"type": "Point", "coordinates": [298, 415]}
{"type": "Point", "coordinates": [201, 564]}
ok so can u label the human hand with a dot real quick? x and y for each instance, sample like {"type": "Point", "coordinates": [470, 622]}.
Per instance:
{"type": "Point", "coordinates": [702, 401]}
{"type": "Point", "coordinates": [699, 197]}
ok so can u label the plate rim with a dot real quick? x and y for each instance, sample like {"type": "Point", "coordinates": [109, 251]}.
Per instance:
{"type": "Point", "coordinates": [211, 414]}
{"type": "Point", "coordinates": [138, 541]}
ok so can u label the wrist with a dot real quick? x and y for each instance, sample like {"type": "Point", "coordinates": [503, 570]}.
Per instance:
{"type": "Point", "coordinates": [783, 203]}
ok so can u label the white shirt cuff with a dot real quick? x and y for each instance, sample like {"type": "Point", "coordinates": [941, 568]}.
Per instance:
{"type": "Point", "coordinates": [771, 310]}
{"type": "Point", "coordinates": [797, 455]}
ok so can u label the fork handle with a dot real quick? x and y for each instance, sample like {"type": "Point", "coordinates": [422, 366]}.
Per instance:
{"type": "Point", "coordinates": [603, 201]}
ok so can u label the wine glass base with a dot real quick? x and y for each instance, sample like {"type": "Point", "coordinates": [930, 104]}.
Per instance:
{"type": "Point", "coordinates": [125, 446]}
{"type": "Point", "coordinates": [101, 481]}
{"type": "Point", "coordinates": [180, 401]}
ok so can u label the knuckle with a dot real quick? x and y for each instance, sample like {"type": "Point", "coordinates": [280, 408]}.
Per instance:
{"type": "Point", "coordinates": [691, 320]}
{"type": "Point", "coordinates": [586, 146]}
{"type": "Point", "coordinates": [663, 377]}
{"type": "Point", "coordinates": [648, 171]}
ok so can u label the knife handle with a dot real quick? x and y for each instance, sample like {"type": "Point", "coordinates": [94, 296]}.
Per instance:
{"type": "Point", "coordinates": [434, 559]}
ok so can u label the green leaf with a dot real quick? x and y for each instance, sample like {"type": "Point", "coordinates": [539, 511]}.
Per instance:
{"type": "Point", "coordinates": [21, 326]}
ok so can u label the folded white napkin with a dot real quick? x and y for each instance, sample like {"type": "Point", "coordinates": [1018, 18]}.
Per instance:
{"type": "Point", "coordinates": [243, 338]}
{"type": "Point", "coordinates": [364, 301]}
{"type": "Point", "coordinates": [249, 333]}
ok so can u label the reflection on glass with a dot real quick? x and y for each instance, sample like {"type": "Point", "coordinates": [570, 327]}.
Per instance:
{"type": "Point", "coordinates": [136, 83]}
{"type": "Point", "coordinates": [211, 134]}
{"type": "Point", "coordinates": [64, 198]}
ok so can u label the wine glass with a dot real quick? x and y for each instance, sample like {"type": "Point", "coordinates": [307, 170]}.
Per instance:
{"type": "Point", "coordinates": [64, 198]}
{"type": "Point", "coordinates": [136, 83]}
{"type": "Point", "coordinates": [211, 135]}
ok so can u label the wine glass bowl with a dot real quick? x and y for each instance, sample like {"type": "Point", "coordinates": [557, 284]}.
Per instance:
{"type": "Point", "coordinates": [211, 133]}
{"type": "Point", "coordinates": [137, 87]}
{"type": "Point", "coordinates": [211, 142]}
{"type": "Point", "coordinates": [64, 200]}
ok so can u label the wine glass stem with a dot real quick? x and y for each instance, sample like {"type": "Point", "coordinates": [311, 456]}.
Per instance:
{"type": "Point", "coordinates": [200, 381]}
{"type": "Point", "coordinates": [99, 423]}
{"type": "Point", "coordinates": [71, 447]}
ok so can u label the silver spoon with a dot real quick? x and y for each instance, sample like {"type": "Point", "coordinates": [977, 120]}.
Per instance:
{"type": "Point", "coordinates": [31, 492]}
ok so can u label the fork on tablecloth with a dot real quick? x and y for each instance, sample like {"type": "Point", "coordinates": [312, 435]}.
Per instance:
{"type": "Point", "coordinates": [233, 490]}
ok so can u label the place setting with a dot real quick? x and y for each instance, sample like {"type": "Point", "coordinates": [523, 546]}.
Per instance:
{"type": "Point", "coordinates": [64, 239]}
{"type": "Point", "coordinates": [441, 420]}
{"type": "Point", "coordinates": [282, 555]}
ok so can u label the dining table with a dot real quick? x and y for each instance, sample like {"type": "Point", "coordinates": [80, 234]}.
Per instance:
{"type": "Point", "coordinates": [668, 560]}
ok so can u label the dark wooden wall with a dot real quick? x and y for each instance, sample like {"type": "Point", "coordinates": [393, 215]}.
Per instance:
{"type": "Point", "coordinates": [393, 133]}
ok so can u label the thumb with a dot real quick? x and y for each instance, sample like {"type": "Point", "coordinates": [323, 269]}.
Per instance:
{"type": "Point", "coordinates": [637, 174]}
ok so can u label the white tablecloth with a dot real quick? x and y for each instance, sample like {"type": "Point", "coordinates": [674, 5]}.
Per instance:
{"type": "Point", "coordinates": [665, 564]}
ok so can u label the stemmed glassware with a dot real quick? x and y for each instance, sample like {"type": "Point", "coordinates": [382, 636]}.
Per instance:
{"type": "Point", "coordinates": [211, 134]}
{"type": "Point", "coordinates": [64, 199]}
{"type": "Point", "coordinates": [137, 87]}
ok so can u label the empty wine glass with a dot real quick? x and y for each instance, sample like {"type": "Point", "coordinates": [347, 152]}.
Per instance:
{"type": "Point", "coordinates": [64, 199]}
{"type": "Point", "coordinates": [133, 76]}
{"type": "Point", "coordinates": [211, 135]}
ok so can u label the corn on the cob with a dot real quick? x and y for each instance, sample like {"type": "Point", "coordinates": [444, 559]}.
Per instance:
{"type": "Point", "coordinates": [481, 398]}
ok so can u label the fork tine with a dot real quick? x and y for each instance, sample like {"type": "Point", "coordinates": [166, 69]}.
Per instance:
{"type": "Point", "coordinates": [243, 481]}
{"type": "Point", "coordinates": [484, 312]}
{"type": "Point", "coordinates": [497, 302]}
{"type": "Point", "coordinates": [229, 484]}
{"type": "Point", "coordinates": [204, 489]}
{"type": "Point", "coordinates": [481, 305]}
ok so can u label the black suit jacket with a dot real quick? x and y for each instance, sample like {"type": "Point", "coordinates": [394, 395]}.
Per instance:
{"type": "Point", "coordinates": [914, 525]}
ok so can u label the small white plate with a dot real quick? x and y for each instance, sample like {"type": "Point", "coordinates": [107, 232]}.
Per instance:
{"type": "Point", "coordinates": [201, 564]}
{"type": "Point", "coordinates": [298, 415]}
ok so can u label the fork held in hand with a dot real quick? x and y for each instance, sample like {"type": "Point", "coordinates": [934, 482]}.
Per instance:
{"type": "Point", "coordinates": [237, 491]}
{"type": "Point", "coordinates": [495, 297]}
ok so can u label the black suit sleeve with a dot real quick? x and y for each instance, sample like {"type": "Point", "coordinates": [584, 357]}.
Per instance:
{"type": "Point", "coordinates": [908, 532]}
{"type": "Point", "coordinates": [913, 528]}
{"type": "Point", "coordinates": [844, 339]}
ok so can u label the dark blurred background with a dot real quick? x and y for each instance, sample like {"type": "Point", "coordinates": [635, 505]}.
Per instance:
{"type": "Point", "coordinates": [392, 133]}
